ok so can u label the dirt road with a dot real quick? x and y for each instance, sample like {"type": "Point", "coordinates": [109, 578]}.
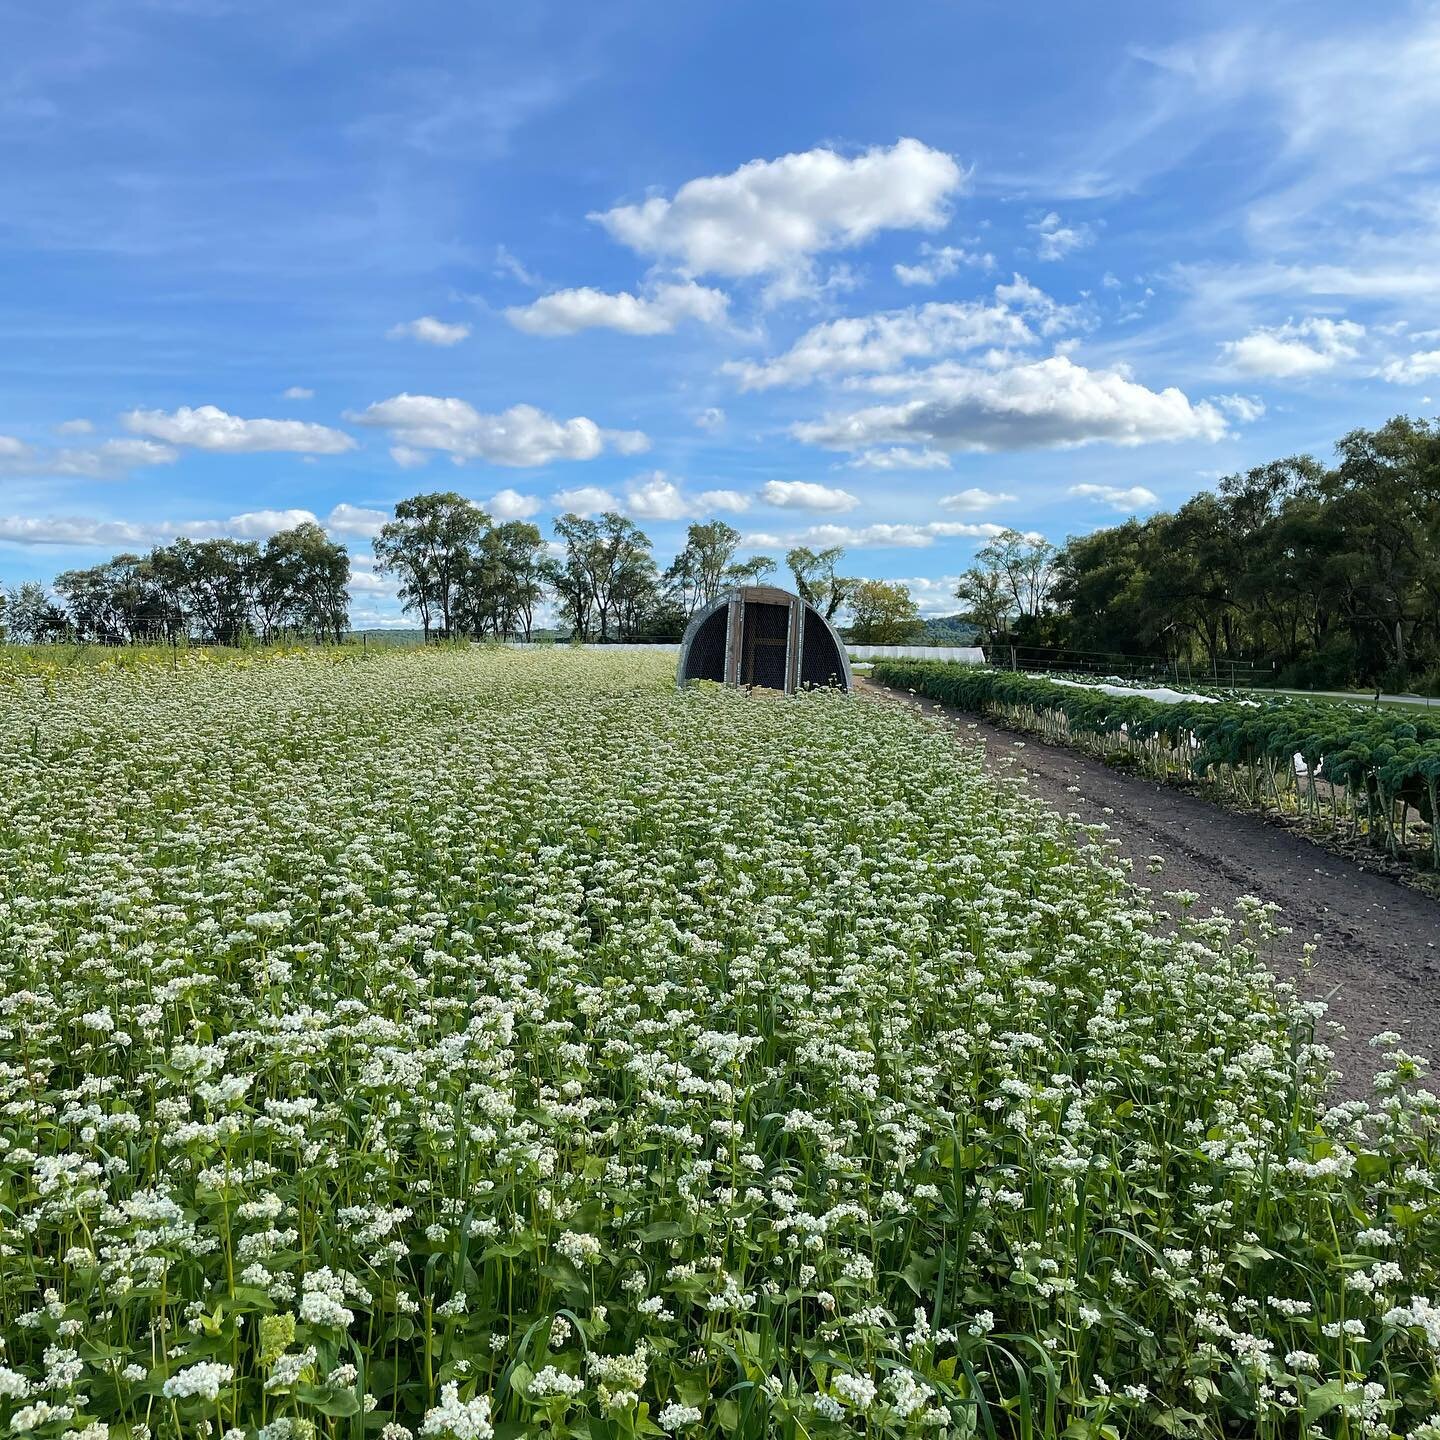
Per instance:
{"type": "Point", "coordinates": [1377, 958]}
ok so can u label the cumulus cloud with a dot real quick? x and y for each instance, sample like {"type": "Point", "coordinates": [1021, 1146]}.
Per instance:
{"type": "Point", "coordinates": [711, 420]}
{"type": "Point", "coordinates": [1038, 404]}
{"type": "Point", "coordinates": [899, 457]}
{"type": "Point", "coordinates": [430, 331]}
{"type": "Point", "coordinates": [806, 495]}
{"type": "Point", "coordinates": [75, 427]}
{"type": "Point", "coordinates": [355, 520]}
{"type": "Point", "coordinates": [1055, 240]}
{"type": "Point", "coordinates": [207, 427]}
{"type": "Point", "coordinates": [938, 262]}
{"type": "Point", "coordinates": [1137, 497]}
{"type": "Point", "coordinates": [884, 341]}
{"type": "Point", "coordinates": [583, 500]}
{"type": "Point", "coordinates": [656, 313]}
{"type": "Point", "coordinates": [107, 460]}
{"type": "Point", "coordinates": [1294, 349]}
{"type": "Point", "coordinates": [774, 215]}
{"type": "Point", "coordinates": [1245, 408]}
{"type": "Point", "coordinates": [731, 500]}
{"type": "Point", "coordinates": [975, 499]}
{"type": "Point", "coordinates": [1048, 315]}
{"type": "Point", "coordinates": [910, 537]}
{"type": "Point", "coordinates": [89, 532]}
{"type": "Point", "coordinates": [1417, 366]}
{"type": "Point", "coordinates": [298, 392]}
{"type": "Point", "coordinates": [933, 594]}
{"type": "Point", "coordinates": [656, 496]}
{"type": "Point", "coordinates": [510, 504]}
{"type": "Point", "coordinates": [521, 436]}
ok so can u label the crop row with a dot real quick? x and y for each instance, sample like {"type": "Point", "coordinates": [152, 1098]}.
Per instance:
{"type": "Point", "coordinates": [1345, 767]}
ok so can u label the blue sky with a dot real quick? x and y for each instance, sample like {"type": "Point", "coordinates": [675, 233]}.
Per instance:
{"type": "Point", "coordinates": [887, 276]}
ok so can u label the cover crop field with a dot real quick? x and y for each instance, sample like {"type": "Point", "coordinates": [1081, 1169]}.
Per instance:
{"type": "Point", "coordinates": [450, 1044]}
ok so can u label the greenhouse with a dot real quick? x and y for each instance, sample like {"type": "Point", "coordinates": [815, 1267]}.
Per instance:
{"type": "Point", "coordinates": [760, 636]}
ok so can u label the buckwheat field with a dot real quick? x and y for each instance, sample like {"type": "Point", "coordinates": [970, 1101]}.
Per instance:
{"type": "Point", "coordinates": [457, 1044]}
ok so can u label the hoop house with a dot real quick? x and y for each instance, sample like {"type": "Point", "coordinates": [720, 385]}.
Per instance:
{"type": "Point", "coordinates": [760, 635]}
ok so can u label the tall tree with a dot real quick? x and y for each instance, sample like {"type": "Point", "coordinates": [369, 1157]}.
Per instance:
{"type": "Point", "coordinates": [707, 566]}
{"type": "Point", "coordinates": [884, 614]}
{"type": "Point", "coordinates": [31, 617]}
{"type": "Point", "coordinates": [604, 562]}
{"type": "Point", "coordinates": [818, 578]}
{"type": "Point", "coordinates": [429, 547]}
{"type": "Point", "coordinates": [303, 576]}
{"type": "Point", "coordinates": [986, 602]}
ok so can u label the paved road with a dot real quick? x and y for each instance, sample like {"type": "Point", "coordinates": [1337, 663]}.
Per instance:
{"type": "Point", "coordinates": [1377, 958]}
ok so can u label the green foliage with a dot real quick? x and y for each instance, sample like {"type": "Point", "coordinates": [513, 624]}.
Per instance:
{"type": "Point", "coordinates": [1325, 576]}
{"type": "Point", "coordinates": [884, 614]}
{"type": "Point", "coordinates": [1383, 762]}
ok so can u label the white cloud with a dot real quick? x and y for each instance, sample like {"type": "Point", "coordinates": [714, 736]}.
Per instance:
{"type": "Point", "coordinates": [933, 595]}
{"type": "Point", "coordinates": [1245, 408]}
{"type": "Point", "coordinates": [731, 500]}
{"type": "Point", "coordinates": [583, 500]}
{"type": "Point", "coordinates": [298, 392]}
{"type": "Point", "coordinates": [367, 582]}
{"type": "Point", "coordinates": [1050, 316]}
{"type": "Point", "coordinates": [408, 458]}
{"type": "Point", "coordinates": [899, 457]}
{"type": "Point", "coordinates": [567, 311]}
{"type": "Point", "coordinates": [430, 331]}
{"type": "Point", "coordinates": [884, 341]}
{"type": "Point", "coordinates": [938, 262]}
{"type": "Point", "coordinates": [774, 215]}
{"type": "Point", "coordinates": [975, 499]}
{"type": "Point", "coordinates": [656, 496]}
{"type": "Point", "coordinates": [806, 495]}
{"type": "Point", "coordinates": [1137, 497]}
{"type": "Point", "coordinates": [1294, 349]}
{"type": "Point", "coordinates": [346, 519]}
{"type": "Point", "coordinates": [910, 537]}
{"type": "Point", "coordinates": [206, 427]}
{"type": "Point", "coordinates": [1057, 240]}
{"type": "Point", "coordinates": [1420, 365]}
{"type": "Point", "coordinates": [75, 530]}
{"type": "Point", "coordinates": [510, 504]}
{"type": "Point", "coordinates": [710, 420]}
{"type": "Point", "coordinates": [520, 436]}
{"type": "Point", "coordinates": [85, 532]}
{"type": "Point", "coordinates": [1035, 405]}
{"type": "Point", "coordinates": [75, 427]}
{"type": "Point", "coordinates": [106, 460]}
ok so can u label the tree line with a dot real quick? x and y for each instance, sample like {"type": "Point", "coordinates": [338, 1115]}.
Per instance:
{"type": "Point", "coordinates": [1325, 575]}
{"type": "Point", "coordinates": [457, 572]}
{"type": "Point", "coordinates": [219, 591]}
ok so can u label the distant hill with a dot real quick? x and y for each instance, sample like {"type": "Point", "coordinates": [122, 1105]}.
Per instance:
{"type": "Point", "coordinates": [949, 630]}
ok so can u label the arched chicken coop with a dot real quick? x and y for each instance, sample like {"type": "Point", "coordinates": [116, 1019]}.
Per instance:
{"type": "Point", "coordinates": [760, 635]}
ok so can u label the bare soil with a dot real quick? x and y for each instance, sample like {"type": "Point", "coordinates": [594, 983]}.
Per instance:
{"type": "Point", "coordinates": [1377, 942]}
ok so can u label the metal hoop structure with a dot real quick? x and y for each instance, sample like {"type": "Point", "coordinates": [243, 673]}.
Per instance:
{"type": "Point", "coordinates": [762, 636]}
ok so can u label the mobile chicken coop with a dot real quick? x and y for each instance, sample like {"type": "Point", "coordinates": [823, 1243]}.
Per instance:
{"type": "Point", "coordinates": [759, 635]}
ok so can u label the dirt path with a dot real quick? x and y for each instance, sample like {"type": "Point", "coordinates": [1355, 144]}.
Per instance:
{"type": "Point", "coordinates": [1377, 957]}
